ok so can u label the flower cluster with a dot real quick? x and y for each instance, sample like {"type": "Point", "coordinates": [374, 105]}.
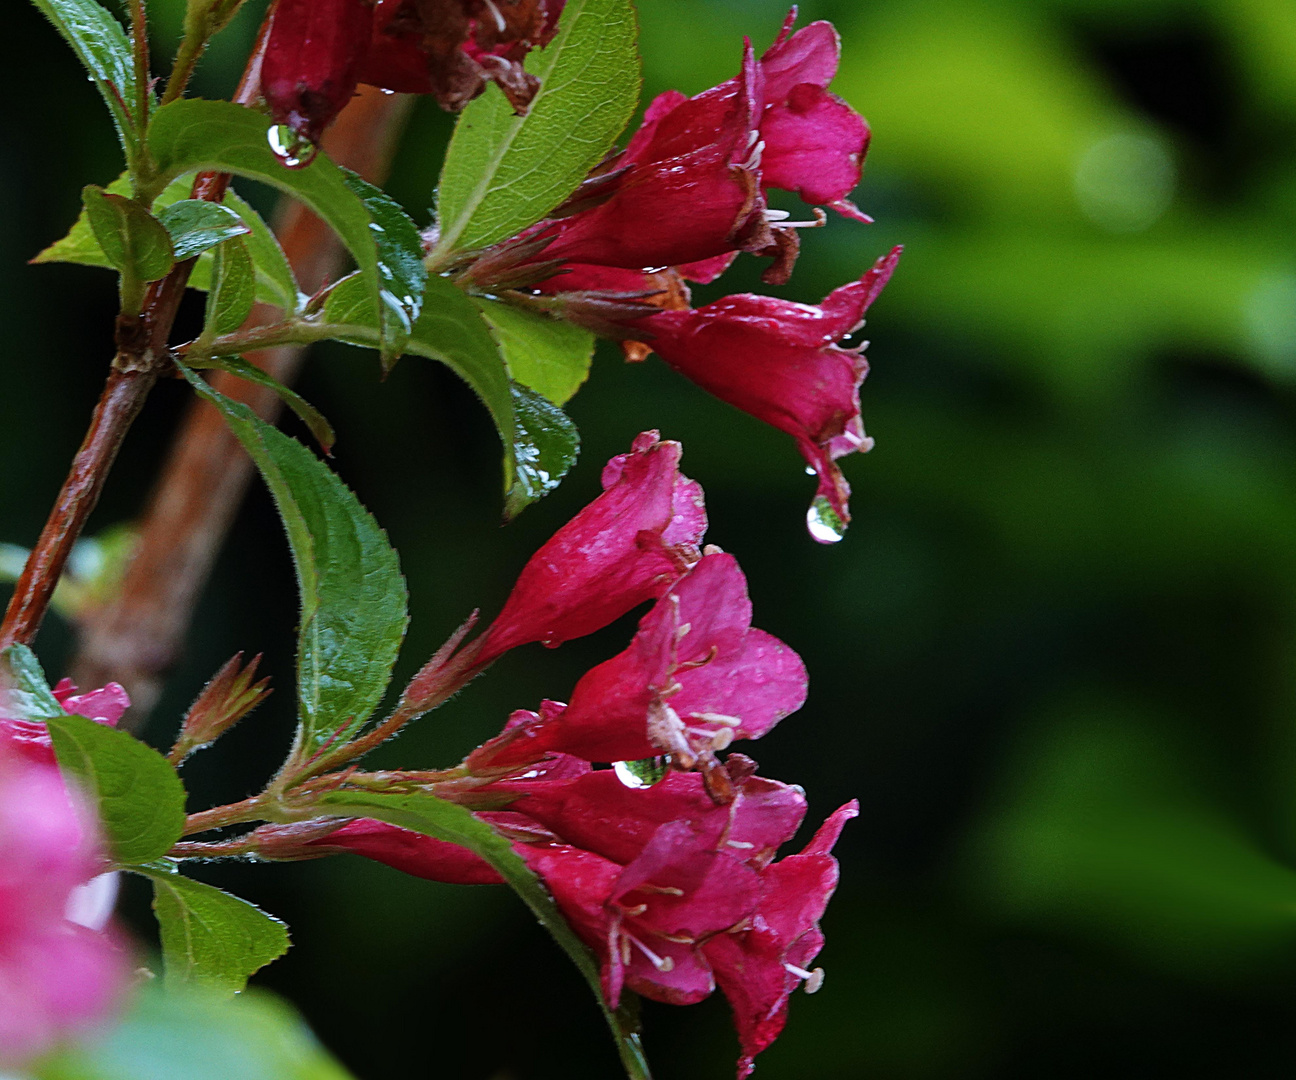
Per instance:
{"type": "Point", "coordinates": [679, 203]}
{"type": "Point", "coordinates": [318, 51]}
{"type": "Point", "coordinates": [664, 864]}
{"type": "Point", "coordinates": [59, 970]}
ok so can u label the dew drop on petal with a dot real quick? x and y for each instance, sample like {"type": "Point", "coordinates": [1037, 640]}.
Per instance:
{"type": "Point", "coordinates": [643, 773]}
{"type": "Point", "coordinates": [293, 150]}
{"type": "Point", "coordinates": [823, 521]}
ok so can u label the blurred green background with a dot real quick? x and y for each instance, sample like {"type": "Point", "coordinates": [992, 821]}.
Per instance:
{"type": "Point", "coordinates": [1053, 658]}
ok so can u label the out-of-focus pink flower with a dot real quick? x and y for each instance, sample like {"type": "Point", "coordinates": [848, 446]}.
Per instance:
{"type": "Point", "coordinates": [780, 361]}
{"type": "Point", "coordinates": [627, 546]}
{"type": "Point", "coordinates": [695, 677]}
{"type": "Point", "coordinates": [760, 963]}
{"type": "Point", "coordinates": [56, 977]}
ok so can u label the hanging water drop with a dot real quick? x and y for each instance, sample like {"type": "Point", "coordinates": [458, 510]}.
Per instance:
{"type": "Point", "coordinates": [293, 150]}
{"type": "Point", "coordinates": [824, 523]}
{"type": "Point", "coordinates": [643, 773]}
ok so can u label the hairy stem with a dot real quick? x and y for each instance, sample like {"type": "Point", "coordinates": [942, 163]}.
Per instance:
{"type": "Point", "coordinates": [140, 50]}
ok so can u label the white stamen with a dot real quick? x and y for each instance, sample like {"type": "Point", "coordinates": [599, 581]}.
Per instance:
{"type": "Point", "coordinates": [500, 24]}
{"type": "Point", "coordinates": [722, 739]}
{"type": "Point", "coordinates": [682, 629]}
{"type": "Point", "coordinates": [717, 718]}
{"type": "Point", "coordinates": [754, 158]}
{"type": "Point", "coordinates": [780, 218]}
{"type": "Point", "coordinates": [745, 845]}
{"type": "Point", "coordinates": [813, 979]}
{"type": "Point", "coordinates": [635, 912]}
{"type": "Point", "coordinates": [661, 963]}
{"type": "Point", "coordinates": [713, 549]}
{"type": "Point", "coordinates": [661, 890]}
{"type": "Point", "coordinates": [777, 215]}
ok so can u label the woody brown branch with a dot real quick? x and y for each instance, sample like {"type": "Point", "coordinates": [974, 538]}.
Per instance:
{"type": "Point", "coordinates": [136, 637]}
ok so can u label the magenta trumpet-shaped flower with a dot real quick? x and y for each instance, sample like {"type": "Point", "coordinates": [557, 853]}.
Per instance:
{"type": "Point", "coordinates": [696, 676]}
{"type": "Point", "coordinates": [629, 545]}
{"type": "Point", "coordinates": [781, 362]}
{"type": "Point", "coordinates": [56, 977]}
{"type": "Point", "coordinates": [31, 738]}
{"type": "Point", "coordinates": [759, 963]}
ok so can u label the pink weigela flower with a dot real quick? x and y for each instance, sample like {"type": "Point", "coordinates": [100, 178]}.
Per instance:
{"type": "Point", "coordinates": [56, 977]}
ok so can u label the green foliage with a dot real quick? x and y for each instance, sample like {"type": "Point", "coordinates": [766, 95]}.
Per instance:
{"type": "Point", "coordinates": [139, 798]}
{"type": "Point", "coordinates": [306, 412]}
{"type": "Point", "coordinates": [550, 356]}
{"type": "Point", "coordinates": [540, 443]}
{"type": "Point", "coordinates": [196, 1035]}
{"type": "Point", "coordinates": [447, 821]}
{"type": "Point", "coordinates": [401, 271]}
{"type": "Point", "coordinates": [24, 693]}
{"type": "Point", "coordinates": [192, 135]}
{"type": "Point", "coordinates": [353, 597]}
{"type": "Point", "coordinates": [208, 936]}
{"type": "Point", "coordinates": [502, 172]}
{"type": "Point", "coordinates": [276, 284]}
{"type": "Point", "coordinates": [102, 46]}
{"type": "Point", "coordinates": [196, 225]}
{"type": "Point", "coordinates": [131, 238]}
{"type": "Point", "coordinates": [232, 289]}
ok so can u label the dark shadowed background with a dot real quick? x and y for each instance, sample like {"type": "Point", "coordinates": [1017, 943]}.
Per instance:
{"type": "Point", "coordinates": [1054, 657]}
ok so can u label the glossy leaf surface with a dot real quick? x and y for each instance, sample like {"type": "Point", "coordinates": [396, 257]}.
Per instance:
{"type": "Point", "coordinates": [196, 225]}
{"type": "Point", "coordinates": [209, 936]}
{"type": "Point", "coordinates": [190, 135]}
{"type": "Point", "coordinates": [139, 798]}
{"type": "Point", "coordinates": [502, 172]}
{"type": "Point", "coordinates": [550, 356]}
{"type": "Point", "coordinates": [353, 597]}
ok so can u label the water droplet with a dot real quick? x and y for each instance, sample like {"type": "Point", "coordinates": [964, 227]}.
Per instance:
{"type": "Point", "coordinates": [294, 150]}
{"type": "Point", "coordinates": [643, 773]}
{"type": "Point", "coordinates": [823, 521]}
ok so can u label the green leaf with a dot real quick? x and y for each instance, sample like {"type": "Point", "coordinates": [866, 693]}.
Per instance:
{"type": "Point", "coordinates": [352, 594]}
{"type": "Point", "coordinates": [448, 821]}
{"type": "Point", "coordinates": [550, 356]}
{"type": "Point", "coordinates": [192, 1034]}
{"type": "Point", "coordinates": [24, 693]}
{"type": "Point", "coordinates": [103, 48]}
{"type": "Point", "coordinates": [400, 265]}
{"type": "Point", "coordinates": [275, 281]}
{"type": "Point", "coordinates": [306, 412]}
{"type": "Point", "coordinates": [131, 238]}
{"type": "Point", "coordinates": [196, 225]}
{"type": "Point", "coordinates": [502, 172]}
{"type": "Point", "coordinates": [208, 936]}
{"type": "Point", "coordinates": [545, 445]}
{"type": "Point", "coordinates": [232, 290]}
{"type": "Point", "coordinates": [540, 442]}
{"type": "Point", "coordinates": [192, 135]}
{"type": "Point", "coordinates": [140, 800]}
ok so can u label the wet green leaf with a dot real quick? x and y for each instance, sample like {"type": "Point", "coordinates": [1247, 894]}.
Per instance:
{"type": "Point", "coordinates": [209, 936]}
{"type": "Point", "coordinates": [139, 798]}
{"type": "Point", "coordinates": [539, 440]}
{"type": "Point", "coordinates": [196, 225]}
{"type": "Point", "coordinates": [550, 356]}
{"type": "Point", "coordinates": [306, 412]}
{"type": "Point", "coordinates": [502, 172]}
{"type": "Point", "coordinates": [275, 281]}
{"type": "Point", "coordinates": [192, 135]}
{"type": "Point", "coordinates": [104, 49]}
{"type": "Point", "coordinates": [443, 820]}
{"type": "Point", "coordinates": [170, 1034]}
{"type": "Point", "coordinates": [131, 238]}
{"type": "Point", "coordinates": [232, 290]}
{"type": "Point", "coordinates": [24, 693]}
{"type": "Point", "coordinates": [400, 265]}
{"type": "Point", "coordinates": [352, 594]}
